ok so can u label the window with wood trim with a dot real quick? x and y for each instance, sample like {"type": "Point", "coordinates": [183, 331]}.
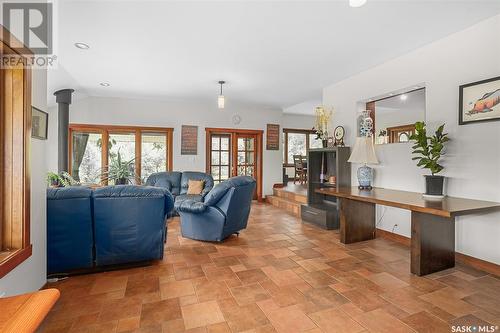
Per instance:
{"type": "Point", "coordinates": [92, 148]}
{"type": "Point", "coordinates": [298, 142]}
{"type": "Point", "coordinates": [15, 136]}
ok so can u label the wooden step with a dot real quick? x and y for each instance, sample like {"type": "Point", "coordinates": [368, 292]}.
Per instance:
{"type": "Point", "coordinates": [290, 196]}
{"type": "Point", "coordinates": [291, 207]}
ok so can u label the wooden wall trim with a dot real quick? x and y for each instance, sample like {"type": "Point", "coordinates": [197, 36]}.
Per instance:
{"type": "Point", "coordinates": [124, 128]}
{"type": "Point", "coordinates": [15, 259]}
{"type": "Point", "coordinates": [15, 141]}
{"type": "Point", "coordinates": [476, 263]}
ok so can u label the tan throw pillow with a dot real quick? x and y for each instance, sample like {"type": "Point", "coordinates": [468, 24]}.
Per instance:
{"type": "Point", "coordinates": [195, 186]}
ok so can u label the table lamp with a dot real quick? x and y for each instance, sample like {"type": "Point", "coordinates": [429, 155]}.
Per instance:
{"type": "Point", "coordinates": [364, 153]}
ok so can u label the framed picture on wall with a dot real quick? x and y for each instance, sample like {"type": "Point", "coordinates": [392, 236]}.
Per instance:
{"type": "Point", "coordinates": [39, 123]}
{"type": "Point", "coordinates": [479, 101]}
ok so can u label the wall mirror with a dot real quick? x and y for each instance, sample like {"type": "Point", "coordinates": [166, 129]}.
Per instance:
{"type": "Point", "coordinates": [395, 115]}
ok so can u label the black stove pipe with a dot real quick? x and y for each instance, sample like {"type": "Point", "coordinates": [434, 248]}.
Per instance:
{"type": "Point", "coordinates": [63, 99]}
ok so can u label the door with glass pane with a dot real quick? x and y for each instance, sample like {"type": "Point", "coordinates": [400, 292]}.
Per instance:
{"type": "Point", "coordinates": [220, 153]}
{"type": "Point", "coordinates": [245, 157]}
{"type": "Point", "coordinates": [233, 153]}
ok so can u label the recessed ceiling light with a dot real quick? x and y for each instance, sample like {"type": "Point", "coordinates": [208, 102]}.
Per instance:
{"type": "Point", "coordinates": [82, 46]}
{"type": "Point", "coordinates": [104, 84]}
{"type": "Point", "coordinates": [391, 94]}
{"type": "Point", "coordinates": [357, 3]}
{"type": "Point", "coordinates": [404, 97]}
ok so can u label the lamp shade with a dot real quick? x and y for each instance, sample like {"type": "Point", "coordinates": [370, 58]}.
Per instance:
{"type": "Point", "coordinates": [221, 101]}
{"type": "Point", "coordinates": [363, 151]}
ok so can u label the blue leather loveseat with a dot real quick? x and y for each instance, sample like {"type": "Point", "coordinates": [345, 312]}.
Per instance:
{"type": "Point", "coordinates": [224, 211]}
{"type": "Point", "coordinates": [177, 183]}
{"type": "Point", "coordinates": [107, 226]}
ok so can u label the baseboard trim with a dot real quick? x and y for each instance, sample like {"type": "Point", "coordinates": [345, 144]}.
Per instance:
{"type": "Point", "coordinates": [476, 263]}
{"type": "Point", "coordinates": [394, 237]}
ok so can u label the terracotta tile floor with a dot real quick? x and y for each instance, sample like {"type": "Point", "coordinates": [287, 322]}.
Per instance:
{"type": "Point", "coordinates": [279, 275]}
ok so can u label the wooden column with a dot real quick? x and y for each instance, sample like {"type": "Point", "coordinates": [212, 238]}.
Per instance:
{"type": "Point", "coordinates": [432, 243]}
{"type": "Point", "coordinates": [357, 221]}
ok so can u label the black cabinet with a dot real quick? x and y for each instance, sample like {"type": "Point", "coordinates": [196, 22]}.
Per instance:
{"type": "Point", "coordinates": [323, 210]}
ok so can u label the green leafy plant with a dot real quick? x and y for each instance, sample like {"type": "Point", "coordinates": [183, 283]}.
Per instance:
{"type": "Point", "coordinates": [120, 171]}
{"type": "Point", "coordinates": [53, 179]}
{"type": "Point", "coordinates": [63, 179]}
{"type": "Point", "coordinates": [429, 149]}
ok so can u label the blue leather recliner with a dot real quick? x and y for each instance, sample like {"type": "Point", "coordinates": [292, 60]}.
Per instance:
{"type": "Point", "coordinates": [110, 225]}
{"type": "Point", "coordinates": [177, 183]}
{"type": "Point", "coordinates": [224, 211]}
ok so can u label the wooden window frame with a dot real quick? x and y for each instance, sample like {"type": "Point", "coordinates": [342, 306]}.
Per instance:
{"type": "Point", "coordinates": [232, 132]}
{"type": "Point", "coordinates": [286, 131]}
{"type": "Point", "coordinates": [18, 163]}
{"type": "Point", "coordinates": [106, 130]}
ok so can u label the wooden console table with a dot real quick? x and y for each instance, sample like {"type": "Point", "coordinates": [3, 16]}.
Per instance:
{"type": "Point", "coordinates": [432, 222]}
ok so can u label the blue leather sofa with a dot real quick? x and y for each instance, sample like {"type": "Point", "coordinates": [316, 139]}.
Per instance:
{"type": "Point", "coordinates": [177, 183]}
{"type": "Point", "coordinates": [110, 225]}
{"type": "Point", "coordinates": [70, 239]}
{"type": "Point", "coordinates": [224, 211]}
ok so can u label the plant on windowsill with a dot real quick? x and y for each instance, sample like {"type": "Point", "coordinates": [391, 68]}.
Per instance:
{"type": "Point", "coordinates": [429, 150]}
{"type": "Point", "coordinates": [119, 171]}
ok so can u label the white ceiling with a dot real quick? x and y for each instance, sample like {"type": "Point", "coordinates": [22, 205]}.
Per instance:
{"type": "Point", "coordinates": [274, 54]}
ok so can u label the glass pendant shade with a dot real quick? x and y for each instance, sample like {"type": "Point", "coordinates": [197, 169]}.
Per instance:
{"type": "Point", "coordinates": [221, 101]}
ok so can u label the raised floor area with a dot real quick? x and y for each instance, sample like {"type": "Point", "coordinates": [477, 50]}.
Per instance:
{"type": "Point", "coordinates": [289, 198]}
{"type": "Point", "coordinates": [279, 275]}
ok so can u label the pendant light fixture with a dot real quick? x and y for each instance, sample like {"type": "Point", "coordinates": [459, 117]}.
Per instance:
{"type": "Point", "coordinates": [221, 101]}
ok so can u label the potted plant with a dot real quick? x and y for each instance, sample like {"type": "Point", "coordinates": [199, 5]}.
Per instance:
{"type": "Point", "coordinates": [63, 179]}
{"type": "Point", "coordinates": [429, 150]}
{"type": "Point", "coordinates": [119, 171]}
{"type": "Point", "coordinates": [53, 179]}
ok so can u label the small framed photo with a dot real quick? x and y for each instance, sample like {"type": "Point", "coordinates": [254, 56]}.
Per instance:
{"type": "Point", "coordinates": [479, 101]}
{"type": "Point", "coordinates": [39, 123]}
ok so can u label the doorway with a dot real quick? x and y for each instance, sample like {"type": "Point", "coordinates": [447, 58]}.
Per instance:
{"type": "Point", "coordinates": [234, 152]}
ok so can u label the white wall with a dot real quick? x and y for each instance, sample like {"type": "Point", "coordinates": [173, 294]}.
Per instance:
{"type": "Point", "coordinates": [304, 108]}
{"type": "Point", "coordinates": [136, 112]}
{"type": "Point", "coordinates": [31, 274]}
{"type": "Point", "coordinates": [472, 161]}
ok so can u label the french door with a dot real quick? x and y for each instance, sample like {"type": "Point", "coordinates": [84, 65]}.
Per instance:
{"type": "Point", "coordinates": [235, 153]}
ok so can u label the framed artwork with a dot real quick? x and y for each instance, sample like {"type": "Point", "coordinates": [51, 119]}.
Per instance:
{"type": "Point", "coordinates": [479, 101]}
{"type": "Point", "coordinates": [273, 137]}
{"type": "Point", "coordinates": [189, 140]}
{"type": "Point", "coordinates": [39, 123]}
